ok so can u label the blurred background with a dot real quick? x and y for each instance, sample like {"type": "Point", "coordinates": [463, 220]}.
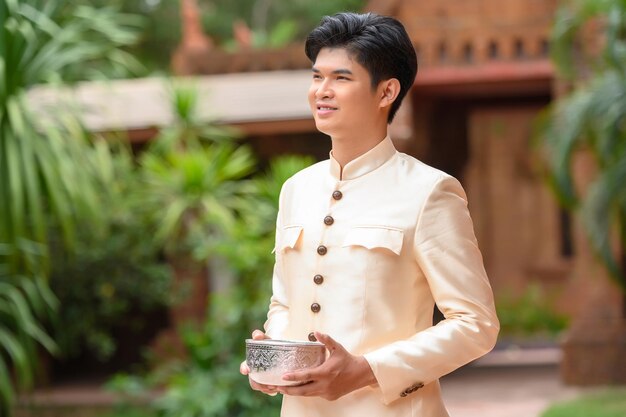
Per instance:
{"type": "Point", "coordinates": [143, 144]}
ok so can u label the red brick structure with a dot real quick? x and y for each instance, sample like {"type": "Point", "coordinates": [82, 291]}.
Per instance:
{"type": "Point", "coordinates": [484, 76]}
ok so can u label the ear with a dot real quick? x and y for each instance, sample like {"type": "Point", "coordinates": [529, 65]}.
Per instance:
{"type": "Point", "coordinates": [388, 90]}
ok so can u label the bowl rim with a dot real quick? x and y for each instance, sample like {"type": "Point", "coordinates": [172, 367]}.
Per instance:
{"type": "Point", "coordinates": [284, 343]}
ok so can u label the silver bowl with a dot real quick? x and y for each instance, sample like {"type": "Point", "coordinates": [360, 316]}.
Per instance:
{"type": "Point", "coordinates": [270, 359]}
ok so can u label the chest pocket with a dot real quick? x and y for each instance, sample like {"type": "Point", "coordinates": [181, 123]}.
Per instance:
{"type": "Point", "coordinates": [372, 237]}
{"type": "Point", "coordinates": [290, 237]}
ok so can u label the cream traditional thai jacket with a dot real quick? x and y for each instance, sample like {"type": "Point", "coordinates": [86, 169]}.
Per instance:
{"type": "Point", "coordinates": [364, 255]}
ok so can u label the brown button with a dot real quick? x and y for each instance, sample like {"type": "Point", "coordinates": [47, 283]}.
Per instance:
{"type": "Point", "coordinates": [312, 337]}
{"type": "Point", "coordinates": [412, 388]}
{"type": "Point", "coordinates": [315, 308]}
{"type": "Point", "coordinates": [318, 279]}
{"type": "Point", "coordinates": [337, 195]}
{"type": "Point", "coordinates": [321, 250]}
{"type": "Point", "coordinates": [328, 220]}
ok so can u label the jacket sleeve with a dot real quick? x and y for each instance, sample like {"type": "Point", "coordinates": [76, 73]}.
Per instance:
{"type": "Point", "coordinates": [278, 314]}
{"type": "Point", "coordinates": [446, 249]}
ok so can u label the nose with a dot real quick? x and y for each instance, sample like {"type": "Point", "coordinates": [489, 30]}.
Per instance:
{"type": "Point", "coordinates": [323, 90]}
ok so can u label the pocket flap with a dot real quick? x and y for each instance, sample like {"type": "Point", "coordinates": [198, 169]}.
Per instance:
{"type": "Point", "coordinates": [371, 237]}
{"type": "Point", "coordinates": [290, 236]}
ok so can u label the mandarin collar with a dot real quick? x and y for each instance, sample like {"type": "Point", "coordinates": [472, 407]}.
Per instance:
{"type": "Point", "coordinates": [366, 163]}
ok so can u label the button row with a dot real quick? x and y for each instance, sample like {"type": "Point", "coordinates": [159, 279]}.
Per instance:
{"type": "Point", "coordinates": [322, 250]}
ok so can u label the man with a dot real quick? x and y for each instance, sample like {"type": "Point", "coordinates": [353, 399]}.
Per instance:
{"type": "Point", "coordinates": [369, 241]}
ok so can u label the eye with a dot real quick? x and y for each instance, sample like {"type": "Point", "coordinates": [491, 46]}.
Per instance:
{"type": "Point", "coordinates": [317, 77]}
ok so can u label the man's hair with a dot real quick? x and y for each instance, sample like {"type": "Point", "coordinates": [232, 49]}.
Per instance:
{"type": "Point", "coordinates": [378, 43]}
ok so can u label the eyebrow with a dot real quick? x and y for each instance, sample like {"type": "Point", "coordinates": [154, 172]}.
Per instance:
{"type": "Point", "coordinates": [337, 71]}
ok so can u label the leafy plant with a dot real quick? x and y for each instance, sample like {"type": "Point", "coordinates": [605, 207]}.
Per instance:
{"type": "Point", "coordinates": [112, 284]}
{"type": "Point", "coordinates": [159, 34]}
{"type": "Point", "coordinates": [190, 179]}
{"type": "Point", "coordinates": [46, 170]}
{"type": "Point", "coordinates": [529, 315]}
{"type": "Point", "coordinates": [592, 118]}
{"type": "Point", "coordinates": [216, 350]}
{"type": "Point", "coordinates": [24, 301]}
{"type": "Point", "coordinates": [272, 23]}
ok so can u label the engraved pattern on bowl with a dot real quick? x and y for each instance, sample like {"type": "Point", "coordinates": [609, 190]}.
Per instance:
{"type": "Point", "coordinates": [269, 359]}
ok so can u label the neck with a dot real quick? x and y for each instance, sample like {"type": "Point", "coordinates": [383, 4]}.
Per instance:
{"type": "Point", "coordinates": [346, 149]}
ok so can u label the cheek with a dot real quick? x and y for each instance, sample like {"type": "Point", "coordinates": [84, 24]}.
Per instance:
{"type": "Point", "coordinates": [311, 95]}
{"type": "Point", "coordinates": [370, 101]}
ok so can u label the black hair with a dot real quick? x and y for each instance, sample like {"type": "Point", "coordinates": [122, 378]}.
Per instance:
{"type": "Point", "coordinates": [378, 43]}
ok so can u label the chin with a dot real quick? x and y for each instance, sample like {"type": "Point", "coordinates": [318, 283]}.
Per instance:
{"type": "Point", "coordinates": [324, 128]}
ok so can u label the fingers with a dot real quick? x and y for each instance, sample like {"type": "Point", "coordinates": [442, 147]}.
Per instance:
{"type": "Point", "coordinates": [259, 335]}
{"type": "Point", "coordinates": [266, 389]}
{"type": "Point", "coordinates": [244, 369]}
{"type": "Point", "coordinates": [299, 376]}
{"type": "Point", "coordinates": [331, 344]}
{"type": "Point", "coordinates": [314, 374]}
{"type": "Point", "coordinates": [308, 389]}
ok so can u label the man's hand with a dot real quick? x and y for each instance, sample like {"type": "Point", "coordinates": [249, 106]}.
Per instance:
{"type": "Point", "coordinates": [243, 368]}
{"type": "Point", "coordinates": [341, 374]}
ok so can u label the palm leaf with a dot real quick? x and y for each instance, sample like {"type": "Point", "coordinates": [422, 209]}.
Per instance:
{"type": "Point", "coordinates": [592, 118]}
{"type": "Point", "coordinates": [605, 202]}
{"type": "Point", "coordinates": [6, 391]}
{"type": "Point", "coordinates": [15, 350]}
{"type": "Point", "coordinates": [191, 182]}
{"type": "Point", "coordinates": [47, 175]}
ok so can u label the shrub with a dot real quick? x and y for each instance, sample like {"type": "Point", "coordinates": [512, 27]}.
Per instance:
{"type": "Point", "coordinates": [208, 383]}
{"type": "Point", "coordinates": [530, 314]}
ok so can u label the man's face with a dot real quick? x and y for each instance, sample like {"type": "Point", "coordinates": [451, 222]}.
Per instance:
{"type": "Point", "coordinates": [341, 96]}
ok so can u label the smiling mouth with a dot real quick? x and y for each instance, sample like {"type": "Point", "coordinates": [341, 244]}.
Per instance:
{"type": "Point", "coordinates": [326, 108]}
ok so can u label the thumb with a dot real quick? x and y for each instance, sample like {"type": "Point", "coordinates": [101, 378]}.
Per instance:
{"type": "Point", "coordinates": [331, 344]}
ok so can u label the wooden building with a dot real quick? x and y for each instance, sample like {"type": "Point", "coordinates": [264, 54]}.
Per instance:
{"type": "Point", "coordinates": [484, 77]}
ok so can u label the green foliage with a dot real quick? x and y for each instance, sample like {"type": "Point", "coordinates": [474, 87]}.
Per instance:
{"type": "Point", "coordinates": [611, 403]}
{"type": "Point", "coordinates": [160, 31]}
{"type": "Point", "coordinates": [273, 23]}
{"type": "Point", "coordinates": [47, 171]}
{"type": "Point", "coordinates": [217, 349]}
{"type": "Point", "coordinates": [24, 302]}
{"type": "Point", "coordinates": [591, 118]}
{"type": "Point", "coordinates": [190, 180]}
{"type": "Point", "coordinates": [572, 57]}
{"type": "Point", "coordinates": [124, 410]}
{"type": "Point", "coordinates": [111, 283]}
{"type": "Point", "coordinates": [530, 314]}
{"type": "Point", "coordinates": [105, 289]}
